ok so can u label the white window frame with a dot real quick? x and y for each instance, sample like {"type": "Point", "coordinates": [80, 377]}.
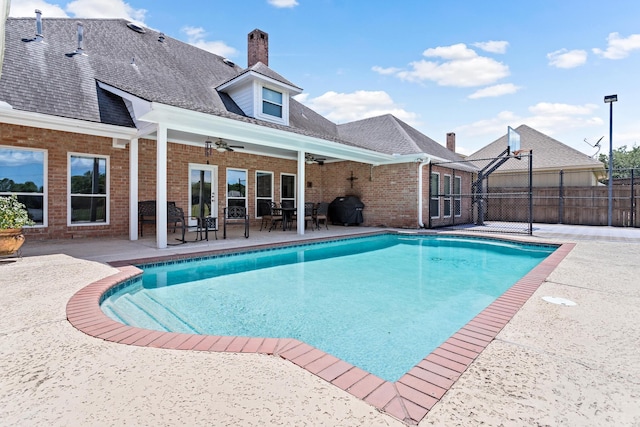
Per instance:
{"type": "Point", "coordinates": [295, 187]}
{"type": "Point", "coordinates": [259, 198]}
{"type": "Point", "coordinates": [106, 196]}
{"type": "Point", "coordinates": [259, 99]}
{"type": "Point", "coordinates": [45, 184]}
{"type": "Point", "coordinates": [447, 196]}
{"type": "Point", "coordinates": [226, 186]}
{"type": "Point", "coordinates": [270, 102]}
{"type": "Point", "coordinates": [457, 196]}
{"type": "Point", "coordinates": [437, 197]}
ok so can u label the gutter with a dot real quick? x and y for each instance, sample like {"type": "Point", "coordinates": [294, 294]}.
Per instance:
{"type": "Point", "coordinates": [423, 163]}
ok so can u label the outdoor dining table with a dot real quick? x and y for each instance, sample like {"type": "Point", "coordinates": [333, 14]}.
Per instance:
{"type": "Point", "coordinates": [287, 212]}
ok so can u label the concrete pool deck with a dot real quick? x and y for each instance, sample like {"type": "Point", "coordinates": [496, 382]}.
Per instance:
{"type": "Point", "coordinates": [551, 364]}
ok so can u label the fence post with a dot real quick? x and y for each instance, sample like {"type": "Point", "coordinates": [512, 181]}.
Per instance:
{"type": "Point", "coordinates": [480, 199]}
{"type": "Point", "coordinates": [530, 192]}
{"type": "Point", "coordinates": [561, 198]}
{"type": "Point", "coordinates": [633, 208]}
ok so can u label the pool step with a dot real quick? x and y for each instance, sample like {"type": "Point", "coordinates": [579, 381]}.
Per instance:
{"type": "Point", "coordinates": [140, 310]}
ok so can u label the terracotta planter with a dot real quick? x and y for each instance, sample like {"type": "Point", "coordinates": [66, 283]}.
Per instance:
{"type": "Point", "coordinates": [10, 240]}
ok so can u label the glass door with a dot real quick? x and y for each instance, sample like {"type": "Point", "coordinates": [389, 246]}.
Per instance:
{"type": "Point", "coordinates": [203, 182]}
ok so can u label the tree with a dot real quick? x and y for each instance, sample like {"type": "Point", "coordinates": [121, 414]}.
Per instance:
{"type": "Point", "coordinates": [623, 158]}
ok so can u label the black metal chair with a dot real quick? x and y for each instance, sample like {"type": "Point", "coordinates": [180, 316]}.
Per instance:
{"type": "Point", "coordinates": [308, 214]}
{"type": "Point", "coordinates": [175, 216]}
{"type": "Point", "coordinates": [236, 215]}
{"type": "Point", "coordinates": [321, 214]}
{"type": "Point", "coordinates": [270, 213]}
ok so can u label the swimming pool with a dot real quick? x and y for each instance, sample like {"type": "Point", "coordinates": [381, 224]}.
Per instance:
{"type": "Point", "coordinates": [381, 303]}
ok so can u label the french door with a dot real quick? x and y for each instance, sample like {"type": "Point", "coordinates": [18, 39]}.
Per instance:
{"type": "Point", "coordinates": [203, 183]}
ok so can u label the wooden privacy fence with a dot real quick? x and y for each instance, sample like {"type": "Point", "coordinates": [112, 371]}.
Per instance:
{"type": "Point", "coordinates": [568, 205]}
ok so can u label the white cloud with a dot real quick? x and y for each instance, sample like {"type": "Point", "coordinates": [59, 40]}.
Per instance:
{"type": "Point", "coordinates": [105, 9]}
{"type": "Point", "coordinates": [564, 58]}
{"type": "Point", "coordinates": [495, 91]}
{"type": "Point", "coordinates": [453, 52]}
{"type": "Point", "coordinates": [283, 3]}
{"type": "Point", "coordinates": [79, 9]}
{"type": "Point", "coordinates": [347, 107]}
{"type": "Point", "coordinates": [556, 109]}
{"type": "Point", "coordinates": [460, 67]}
{"type": "Point", "coordinates": [477, 71]}
{"type": "Point", "coordinates": [546, 117]}
{"type": "Point", "coordinates": [493, 46]}
{"type": "Point", "coordinates": [618, 47]}
{"type": "Point", "coordinates": [385, 71]}
{"type": "Point", "coordinates": [196, 37]}
{"type": "Point", "coordinates": [27, 8]}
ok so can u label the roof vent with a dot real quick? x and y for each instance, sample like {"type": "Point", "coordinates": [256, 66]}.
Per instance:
{"type": "Point", "coordinates": [80, 48]}
{"type": "Point", "coordinates": [39, 37]}
{"type": "Point", "coordinates": [137, 28]}
{"type": "Point", "coordinates": [161, 37]}
{"type": "Point", "coordinates": [229, 62]}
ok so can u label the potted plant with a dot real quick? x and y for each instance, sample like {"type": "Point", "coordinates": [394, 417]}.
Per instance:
{"type": "Point", "coordinates": [13, 216]}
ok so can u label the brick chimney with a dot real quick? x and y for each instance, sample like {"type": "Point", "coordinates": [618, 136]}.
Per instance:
{"type": "Point", "coordinates": [257, 48]}
{"type": "Point", "coordinates": [451, 141]}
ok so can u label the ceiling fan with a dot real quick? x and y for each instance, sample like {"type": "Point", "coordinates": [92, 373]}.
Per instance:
{"type": "Point", "coordinates": [223, 146]}
{"type": "Point", "coordinates": [310, 158]}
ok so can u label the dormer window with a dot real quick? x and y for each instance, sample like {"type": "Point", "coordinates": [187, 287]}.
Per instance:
{"type": "Point", "coordinates": [271, 102]}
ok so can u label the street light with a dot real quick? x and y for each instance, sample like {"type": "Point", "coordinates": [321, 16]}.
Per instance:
{"type": "Point", "coordinates": [610, 99]}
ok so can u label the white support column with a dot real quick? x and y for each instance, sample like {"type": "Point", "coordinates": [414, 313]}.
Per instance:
{"type": "Point", "coordinates": [133, 189]}
{"type": "Point", "coordinates": [300, 196]}
{"type": "Point", "coordinates": [161, 187]}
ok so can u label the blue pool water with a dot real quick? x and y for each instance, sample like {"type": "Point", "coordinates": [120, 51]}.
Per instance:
{"type": "Point", "coordinates": [381, 303]}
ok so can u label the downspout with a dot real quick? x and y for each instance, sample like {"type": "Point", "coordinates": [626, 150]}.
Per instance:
{"type": "Point", "coordinates": [423, 163]}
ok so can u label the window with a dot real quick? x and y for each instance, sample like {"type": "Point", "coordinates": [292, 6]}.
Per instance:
{"type": "Point", "coordinates": [457, 196]}
{"type": "Point", "coordinates": [23, 173]}
{"type": "Point", "coordinates": [264, 191]}
{"type": "Point", "coordinates": [288, 189]}
{"type": "Point", "coordinates": [447, 195]}
{"type": "Point", "coordinates": [237, 187]}
{"type": "Point", "coordinates": [271, 102]}
{"type": "Point", "coordinates": [434, 201]}
{"type": "Point", "coordinates": [88, 189]}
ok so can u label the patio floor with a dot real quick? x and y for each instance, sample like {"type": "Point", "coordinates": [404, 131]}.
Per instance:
{"type": "Point", "coordinates": [552, 364]}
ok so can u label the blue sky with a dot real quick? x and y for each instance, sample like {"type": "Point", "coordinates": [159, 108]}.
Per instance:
{"type": "Point", "coordinates": [469, 67]}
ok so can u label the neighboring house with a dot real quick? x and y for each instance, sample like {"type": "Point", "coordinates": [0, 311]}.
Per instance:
{"type": "Point", "coordinates": [550, 156]}
{"type": "Point", "coordinates": [96, 115]}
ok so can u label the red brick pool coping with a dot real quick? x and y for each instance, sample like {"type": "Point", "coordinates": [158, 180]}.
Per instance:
{"type": "Point", "coordinates": [409, 399]}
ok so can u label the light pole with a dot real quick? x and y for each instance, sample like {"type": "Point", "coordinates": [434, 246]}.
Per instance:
{"type": "Point", "coordinates": [610, 99]}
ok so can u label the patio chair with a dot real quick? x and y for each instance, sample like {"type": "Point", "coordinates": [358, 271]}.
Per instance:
{"type": "Point", "coordinates": [270, 214]}
{"type": "Point", "coordinates": [308, 214]}
{"type": "Point", "coordinates": [321, 215]}
{"type": "Point", "coordinates": [147, 214]}
{"type": "Point", "coordinates": [175, 216]}
{"type": "Point", "coordinates": [236, 215]}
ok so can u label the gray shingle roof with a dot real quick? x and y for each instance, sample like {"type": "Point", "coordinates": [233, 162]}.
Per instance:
{"type": "Point", "coordinates": [44, 78]}
{"type": "Point", "coordinates": [548, 153]}
{"type": "Point", "coordinates": [388, 134]}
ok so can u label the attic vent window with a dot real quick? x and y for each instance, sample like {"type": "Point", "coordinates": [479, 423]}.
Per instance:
{"type": "Point", "coordinates": [136, 28]}
{"type": "Point", "coordinates": [161, 37]}
{"type": "Point", "coordinates": [229, 62]}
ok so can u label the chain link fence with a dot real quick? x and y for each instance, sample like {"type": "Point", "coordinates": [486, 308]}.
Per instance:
{"type": "Point", "coordinates": [513, 197]}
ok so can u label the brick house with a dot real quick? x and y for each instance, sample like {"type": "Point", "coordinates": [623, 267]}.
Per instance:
{"type": "Point", "coordinates": [99, 114]}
